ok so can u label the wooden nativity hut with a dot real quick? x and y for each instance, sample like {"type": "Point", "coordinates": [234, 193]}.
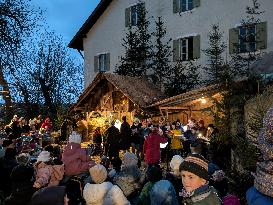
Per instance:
{"type": "Point", "coordinates": [112, 95]}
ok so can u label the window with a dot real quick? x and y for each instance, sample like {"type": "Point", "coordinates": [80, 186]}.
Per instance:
{"type": "Point", "coordinates": [248, 38]}
{"type": "Point", "coordinates": [102, 62]}
{"type": "Point", "coordinates": [187, 48]}
{"type": "Point", "coordinates": [184, 5]}
{"type": "Point", "coordinates": [132, 15]}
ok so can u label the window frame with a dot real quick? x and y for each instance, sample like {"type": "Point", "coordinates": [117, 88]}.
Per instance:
{"type": "Point", "coordinates": [185, 4]}
{"type": "Point", "coordinates": [245, 45]}
{"type": "Point", "coordinates": [185, 54]}
{"type": "Point", "coordinates": [102, 62]}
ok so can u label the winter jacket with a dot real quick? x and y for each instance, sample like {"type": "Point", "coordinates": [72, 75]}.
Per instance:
{"type": "Point", "coordinates": [163, 193]}
{"type": "Point", "coordinates": [144, 197]}
{"type": "Point", "coordinates": [176, 141]}
{"type": "Point", "coordinates": [112, 141]}
{"type": "Point", "coordinates": [254, 197]}
{"type": "Point", "coordinates": [104, 194]}
{"type": "Point", "coordinates": [22, 185]}
{"type": "Point", "coordinates": [207, 196]}
{"type": "Point", "coordinates": [76, 160]}
{"type": "Point", "coordinates": [125, 134]}
{"type": "Point", "coordinates": [48, 175]}
{"type": "Point", "coordinates": [129, 180]}
{"type": "Point", "coordinates": [49, 196]}
{"type": "Point", "coordinates": [151, 147]}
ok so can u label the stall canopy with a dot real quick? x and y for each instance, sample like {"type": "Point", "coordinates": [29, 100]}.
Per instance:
{"type": "Point", "coordinates": [116, 92]}
{"type": "Point", "coordinates": [196, 103]}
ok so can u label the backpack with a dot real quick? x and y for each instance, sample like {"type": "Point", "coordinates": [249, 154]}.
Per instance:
{"type": "Point", "coordinates": [231, 200]}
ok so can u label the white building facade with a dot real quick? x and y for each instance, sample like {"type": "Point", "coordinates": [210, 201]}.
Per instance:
{"type": "Point", "coordinates": [188, 23]}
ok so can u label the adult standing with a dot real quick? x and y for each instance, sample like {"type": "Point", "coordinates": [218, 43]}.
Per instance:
{"type": "Point", "coordinates": [125, 134]}
{"type": "Point", "coordinates": [112, 141]}
{"type": "Point", "coordinates": [151, 147]}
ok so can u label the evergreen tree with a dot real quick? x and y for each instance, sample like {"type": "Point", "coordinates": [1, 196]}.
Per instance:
{"type": "Point", "coordinates": [162, 53]}
{"type": "Point", "coordinates": [144, 52]}
{"type": "Point", "coordinates": [215, 69]}
{"type": "Point", "coordinates": [184, 77]}
{"type": "Point", "coordinates": [175, 85]}
{"type": "Point", "coordinates": [128, 64]}
{"type": "Point", "coordinates": [192, 76]}
{"type": "Point", "coordinates": [138, 48]}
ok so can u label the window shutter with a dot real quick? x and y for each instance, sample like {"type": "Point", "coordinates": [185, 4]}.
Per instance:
{"type": "Point", "coordinates": [175, 6]}
{"type": "Point", "coordinates": [196, 46]}
{"type": "Point", "coordinates": [96, 64]}
{"type": "Point", "coordinates": [261, 35]}
{"type": "Point", "coordinates": [233, 40]}
{"type": "Point", "coordinates": [176, 50]}
{"type": "Point", "coordinates": [140, 10]}
{"type": "Point", "coordinates": [107, 62]}
{"type": "Point", "coordinates": [196, 3]}
{"type": "Point", "coordinates": [127, 16]}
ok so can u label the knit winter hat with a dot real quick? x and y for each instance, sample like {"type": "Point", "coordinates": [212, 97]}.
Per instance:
{"type": "Point", "coordinates": [75, 137]}
{"type": "Point", "coordinates": [129, 159]}
{"type": "Point", "coordinates": [44, 156]}
{"type": "Point", "coordinates": [264, 172]}
{"type": "Point", "coordinates": [98, 173]}
{"type": "Point", "coordinates": [196, 164]}
{"type": "Point", "coordinates": [175, 162]}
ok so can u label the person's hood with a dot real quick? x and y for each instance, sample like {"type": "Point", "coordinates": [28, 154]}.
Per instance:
{"type": "Point", "coordinates": [95, 193]}
{"type": "Point", "coordinates": [71, 147]}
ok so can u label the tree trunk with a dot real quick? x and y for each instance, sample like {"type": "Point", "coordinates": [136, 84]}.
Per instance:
{"type": "Point", "coordinates": [6, 96]}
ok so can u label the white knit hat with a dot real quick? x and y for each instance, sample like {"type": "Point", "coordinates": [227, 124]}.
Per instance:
{"type": "Point", "coordinates": [98, 173]}
{"type": "Point", "coordinates": [129, 159]}
{"type": "Point", "coordinates": [75, 137]}
{"type": "Point", "coordinates": [175, 162]}
{"type": "Point", "coordinates": [44, 156]}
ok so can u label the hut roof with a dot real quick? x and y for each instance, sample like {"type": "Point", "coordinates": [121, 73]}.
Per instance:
{"type": "Point", "coordinates": [188, 96]}
{"type": "Point", "coordinates": [138, 89]}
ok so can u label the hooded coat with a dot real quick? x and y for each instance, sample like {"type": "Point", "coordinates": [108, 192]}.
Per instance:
{"type": "Point", "coordinates": [48, 175]}
{"type": "Point", "coordinates": [104, 194]}
{"type": "Point", "coordinates": [76, 160]}
{"type": "Point", "coordinates": [151, 147]}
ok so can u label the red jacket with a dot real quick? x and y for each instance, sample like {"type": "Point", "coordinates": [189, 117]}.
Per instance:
{"type": "Point", "coordinates": [75, 159]}
{"type": "Point", "coordinates": [151, 147]}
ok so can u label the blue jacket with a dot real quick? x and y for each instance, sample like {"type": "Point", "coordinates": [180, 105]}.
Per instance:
{"type": "Point", "coordinates": [254, 197]}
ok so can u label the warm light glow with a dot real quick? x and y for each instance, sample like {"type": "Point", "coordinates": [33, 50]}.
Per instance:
{"type": "Point", "coordinates": [203, 100]}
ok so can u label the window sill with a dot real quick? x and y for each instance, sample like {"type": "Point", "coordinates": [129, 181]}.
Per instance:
{"type": "Point", "coordinates": [186, 12]}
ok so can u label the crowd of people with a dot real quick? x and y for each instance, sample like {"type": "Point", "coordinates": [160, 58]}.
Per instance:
{"type": "Point", "coordinates": [131, 169]}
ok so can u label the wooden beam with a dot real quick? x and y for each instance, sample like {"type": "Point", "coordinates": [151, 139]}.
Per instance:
{"type": "Point", "coordinates": [173, 108]}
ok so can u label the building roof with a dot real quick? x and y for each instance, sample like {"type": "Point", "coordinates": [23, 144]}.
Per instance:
{"type": "Point", "coordinates": [188, 96]}
{"type": "Point", "coordinates": [138, 89]}
{"type": "Point", "coordinates": [77, 41]}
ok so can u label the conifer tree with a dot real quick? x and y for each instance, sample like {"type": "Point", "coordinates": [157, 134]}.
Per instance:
{"type": "Point", "coordinates": [162, 52]}
{"type": "Point", "coordinates": [138, 47]}
{"type": "Point", "coordinates": [128, 64]}
{"type": "Point", "coordinates": [215, 68]}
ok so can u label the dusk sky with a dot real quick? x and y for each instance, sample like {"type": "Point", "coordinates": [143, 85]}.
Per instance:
{"type": "Point", "coordinates": [66, 16]}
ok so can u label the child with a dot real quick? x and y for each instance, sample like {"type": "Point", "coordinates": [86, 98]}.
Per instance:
{"type": "Point", "coordinates": [46, 173]}
{"type": "Point", "coordinates": [194, 174]}
{"type": "Point", "coordinates": [153, 174]}
{"type": "Point", "coordinates": [130, 177]}
{"type": "Point", "coordinates": [102, 192]}
{"type": "Point", "coordinates": [75, 158]}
